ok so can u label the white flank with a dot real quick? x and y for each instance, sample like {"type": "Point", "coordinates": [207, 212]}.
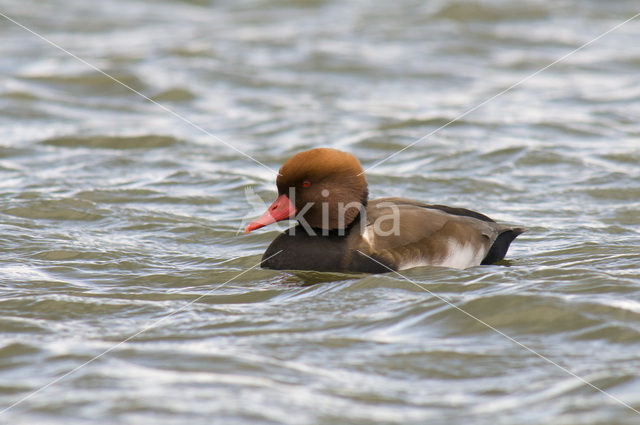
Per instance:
{"type": "Point", "coordinates": [461, 256]}
{"type": "Point", "coordinates": [458, 255]}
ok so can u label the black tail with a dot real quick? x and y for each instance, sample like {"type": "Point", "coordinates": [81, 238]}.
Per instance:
{"type": "Point", "coordinates": [501, 245]}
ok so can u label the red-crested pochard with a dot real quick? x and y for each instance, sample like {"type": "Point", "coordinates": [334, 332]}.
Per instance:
{"type": "Point", "coordinates": [339, 229]}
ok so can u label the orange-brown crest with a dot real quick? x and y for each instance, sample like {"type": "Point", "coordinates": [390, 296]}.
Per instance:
{"type": "Point", "coordinates": [332, 180]}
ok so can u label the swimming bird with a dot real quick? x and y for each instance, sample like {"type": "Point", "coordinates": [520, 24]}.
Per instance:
{"type": "Point", "coordinates": [340, 230]}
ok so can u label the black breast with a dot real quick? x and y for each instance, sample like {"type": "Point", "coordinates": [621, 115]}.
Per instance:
{"type": "Point", "coordinates": [294, 249]}
{"type": "Point", "coordinates": [301, 251]}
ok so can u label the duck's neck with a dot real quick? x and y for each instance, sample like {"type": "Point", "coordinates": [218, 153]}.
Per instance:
{"type": "Point", "coordinates": [333, 233]}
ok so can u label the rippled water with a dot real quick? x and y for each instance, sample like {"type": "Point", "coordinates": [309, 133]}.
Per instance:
{"type": "Point", "coordinates": [121, 220]}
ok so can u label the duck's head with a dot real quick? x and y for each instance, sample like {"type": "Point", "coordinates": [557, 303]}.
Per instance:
{"type": "Point", "coordinates": [324, 187]}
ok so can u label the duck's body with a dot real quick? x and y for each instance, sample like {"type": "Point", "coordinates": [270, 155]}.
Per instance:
{"type": "Point", "coordinates": [374, 236]}
{"type": "Point", "coordinates": [429, 235]}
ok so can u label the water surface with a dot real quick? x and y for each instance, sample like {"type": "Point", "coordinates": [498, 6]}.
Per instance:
{"type": "Point", "coordinates": [119, 217]}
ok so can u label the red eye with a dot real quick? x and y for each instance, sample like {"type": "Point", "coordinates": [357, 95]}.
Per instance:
{"type": "Point", "coordinates": [306, 183]}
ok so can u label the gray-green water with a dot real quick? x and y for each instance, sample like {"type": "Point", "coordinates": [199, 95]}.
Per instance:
{"type": "Point", "coordinates": [115, 215]}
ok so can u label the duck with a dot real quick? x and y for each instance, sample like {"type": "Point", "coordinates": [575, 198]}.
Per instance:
{"type": "Point", "coordinates": [339, 229]}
